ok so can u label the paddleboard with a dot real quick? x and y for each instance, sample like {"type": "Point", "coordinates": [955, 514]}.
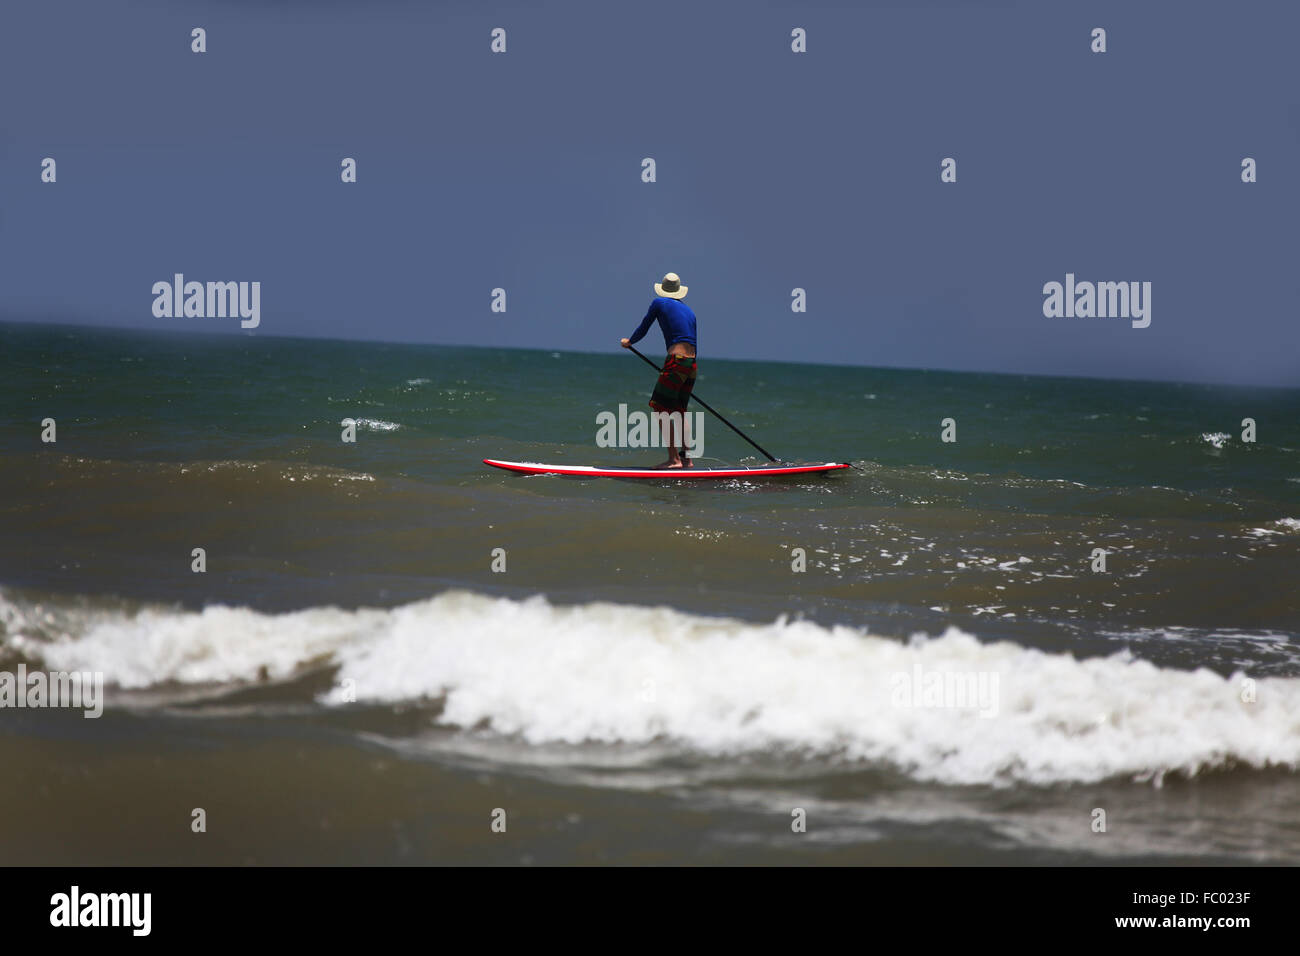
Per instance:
{"type": "Point", "coordinates": [590, 471]}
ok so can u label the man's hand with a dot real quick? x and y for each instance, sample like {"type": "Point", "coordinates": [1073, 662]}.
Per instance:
{"type": "Point", "coordinates": [625, 343]}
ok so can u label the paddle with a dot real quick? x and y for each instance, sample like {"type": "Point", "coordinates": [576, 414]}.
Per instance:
{"type": "Point", "coordinates": [632, 348]}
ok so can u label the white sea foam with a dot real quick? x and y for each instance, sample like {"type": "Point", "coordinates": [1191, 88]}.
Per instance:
{"type": "Point", "coordinates": [614, 673]}
{"type": "Point", "coordinates": [1280, 526]}
{"type": "Point", "coordinates": [1216, 439]}
{"type": "Point", "coordinates": [375, 425]}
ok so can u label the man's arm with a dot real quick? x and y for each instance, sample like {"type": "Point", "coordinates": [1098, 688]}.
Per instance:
{"type": "Point", "coordinates": [651, 314]}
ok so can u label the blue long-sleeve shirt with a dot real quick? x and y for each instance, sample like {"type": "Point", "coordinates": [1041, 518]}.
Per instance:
{"type": "Point", "coordinates": [675, 319]}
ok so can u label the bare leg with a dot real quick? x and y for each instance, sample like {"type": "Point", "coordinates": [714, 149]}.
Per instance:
{"type": "Point", "coordinates": [674, 460]}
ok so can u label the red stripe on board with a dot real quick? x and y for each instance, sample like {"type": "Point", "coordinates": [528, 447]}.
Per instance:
{"type": "Point", "coordinates": [529, 469]}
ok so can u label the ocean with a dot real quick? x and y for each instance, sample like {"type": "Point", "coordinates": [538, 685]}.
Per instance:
{"type": "Point", "coordinates": [954, 652]}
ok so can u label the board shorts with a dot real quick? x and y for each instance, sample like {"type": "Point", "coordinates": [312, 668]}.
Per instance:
{"type": "Point", "coordinates": [673, 390]}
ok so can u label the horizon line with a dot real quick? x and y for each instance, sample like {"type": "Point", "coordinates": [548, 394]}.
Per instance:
{"type": "Point", "coordinates": [252, 334]}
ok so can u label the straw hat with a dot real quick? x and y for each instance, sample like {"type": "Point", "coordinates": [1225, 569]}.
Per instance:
{"type": "Point", "coordinates": [671, 287]}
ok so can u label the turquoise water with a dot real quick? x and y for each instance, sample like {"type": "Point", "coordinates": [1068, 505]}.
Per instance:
{"type": "Point", "coordinates": [594, 635]}
{"type": "Point", "coordinates": [182, 396]}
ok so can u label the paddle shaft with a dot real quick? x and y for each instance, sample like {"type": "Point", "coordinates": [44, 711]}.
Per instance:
{"type": "Point", "coordinates": [632, 348]}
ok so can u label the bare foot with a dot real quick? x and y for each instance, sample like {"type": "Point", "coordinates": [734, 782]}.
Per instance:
{"type": "Point", "coordinates": [670, 464]}
{"type": "Point", "coordinates": [686, 462]}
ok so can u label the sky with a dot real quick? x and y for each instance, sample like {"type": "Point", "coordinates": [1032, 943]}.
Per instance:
{"type": "Point", "coordinates": [775, 170]}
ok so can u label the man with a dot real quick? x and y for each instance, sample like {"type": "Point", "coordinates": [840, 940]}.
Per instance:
{"type": "Point", "coordinates": [673, 390]}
